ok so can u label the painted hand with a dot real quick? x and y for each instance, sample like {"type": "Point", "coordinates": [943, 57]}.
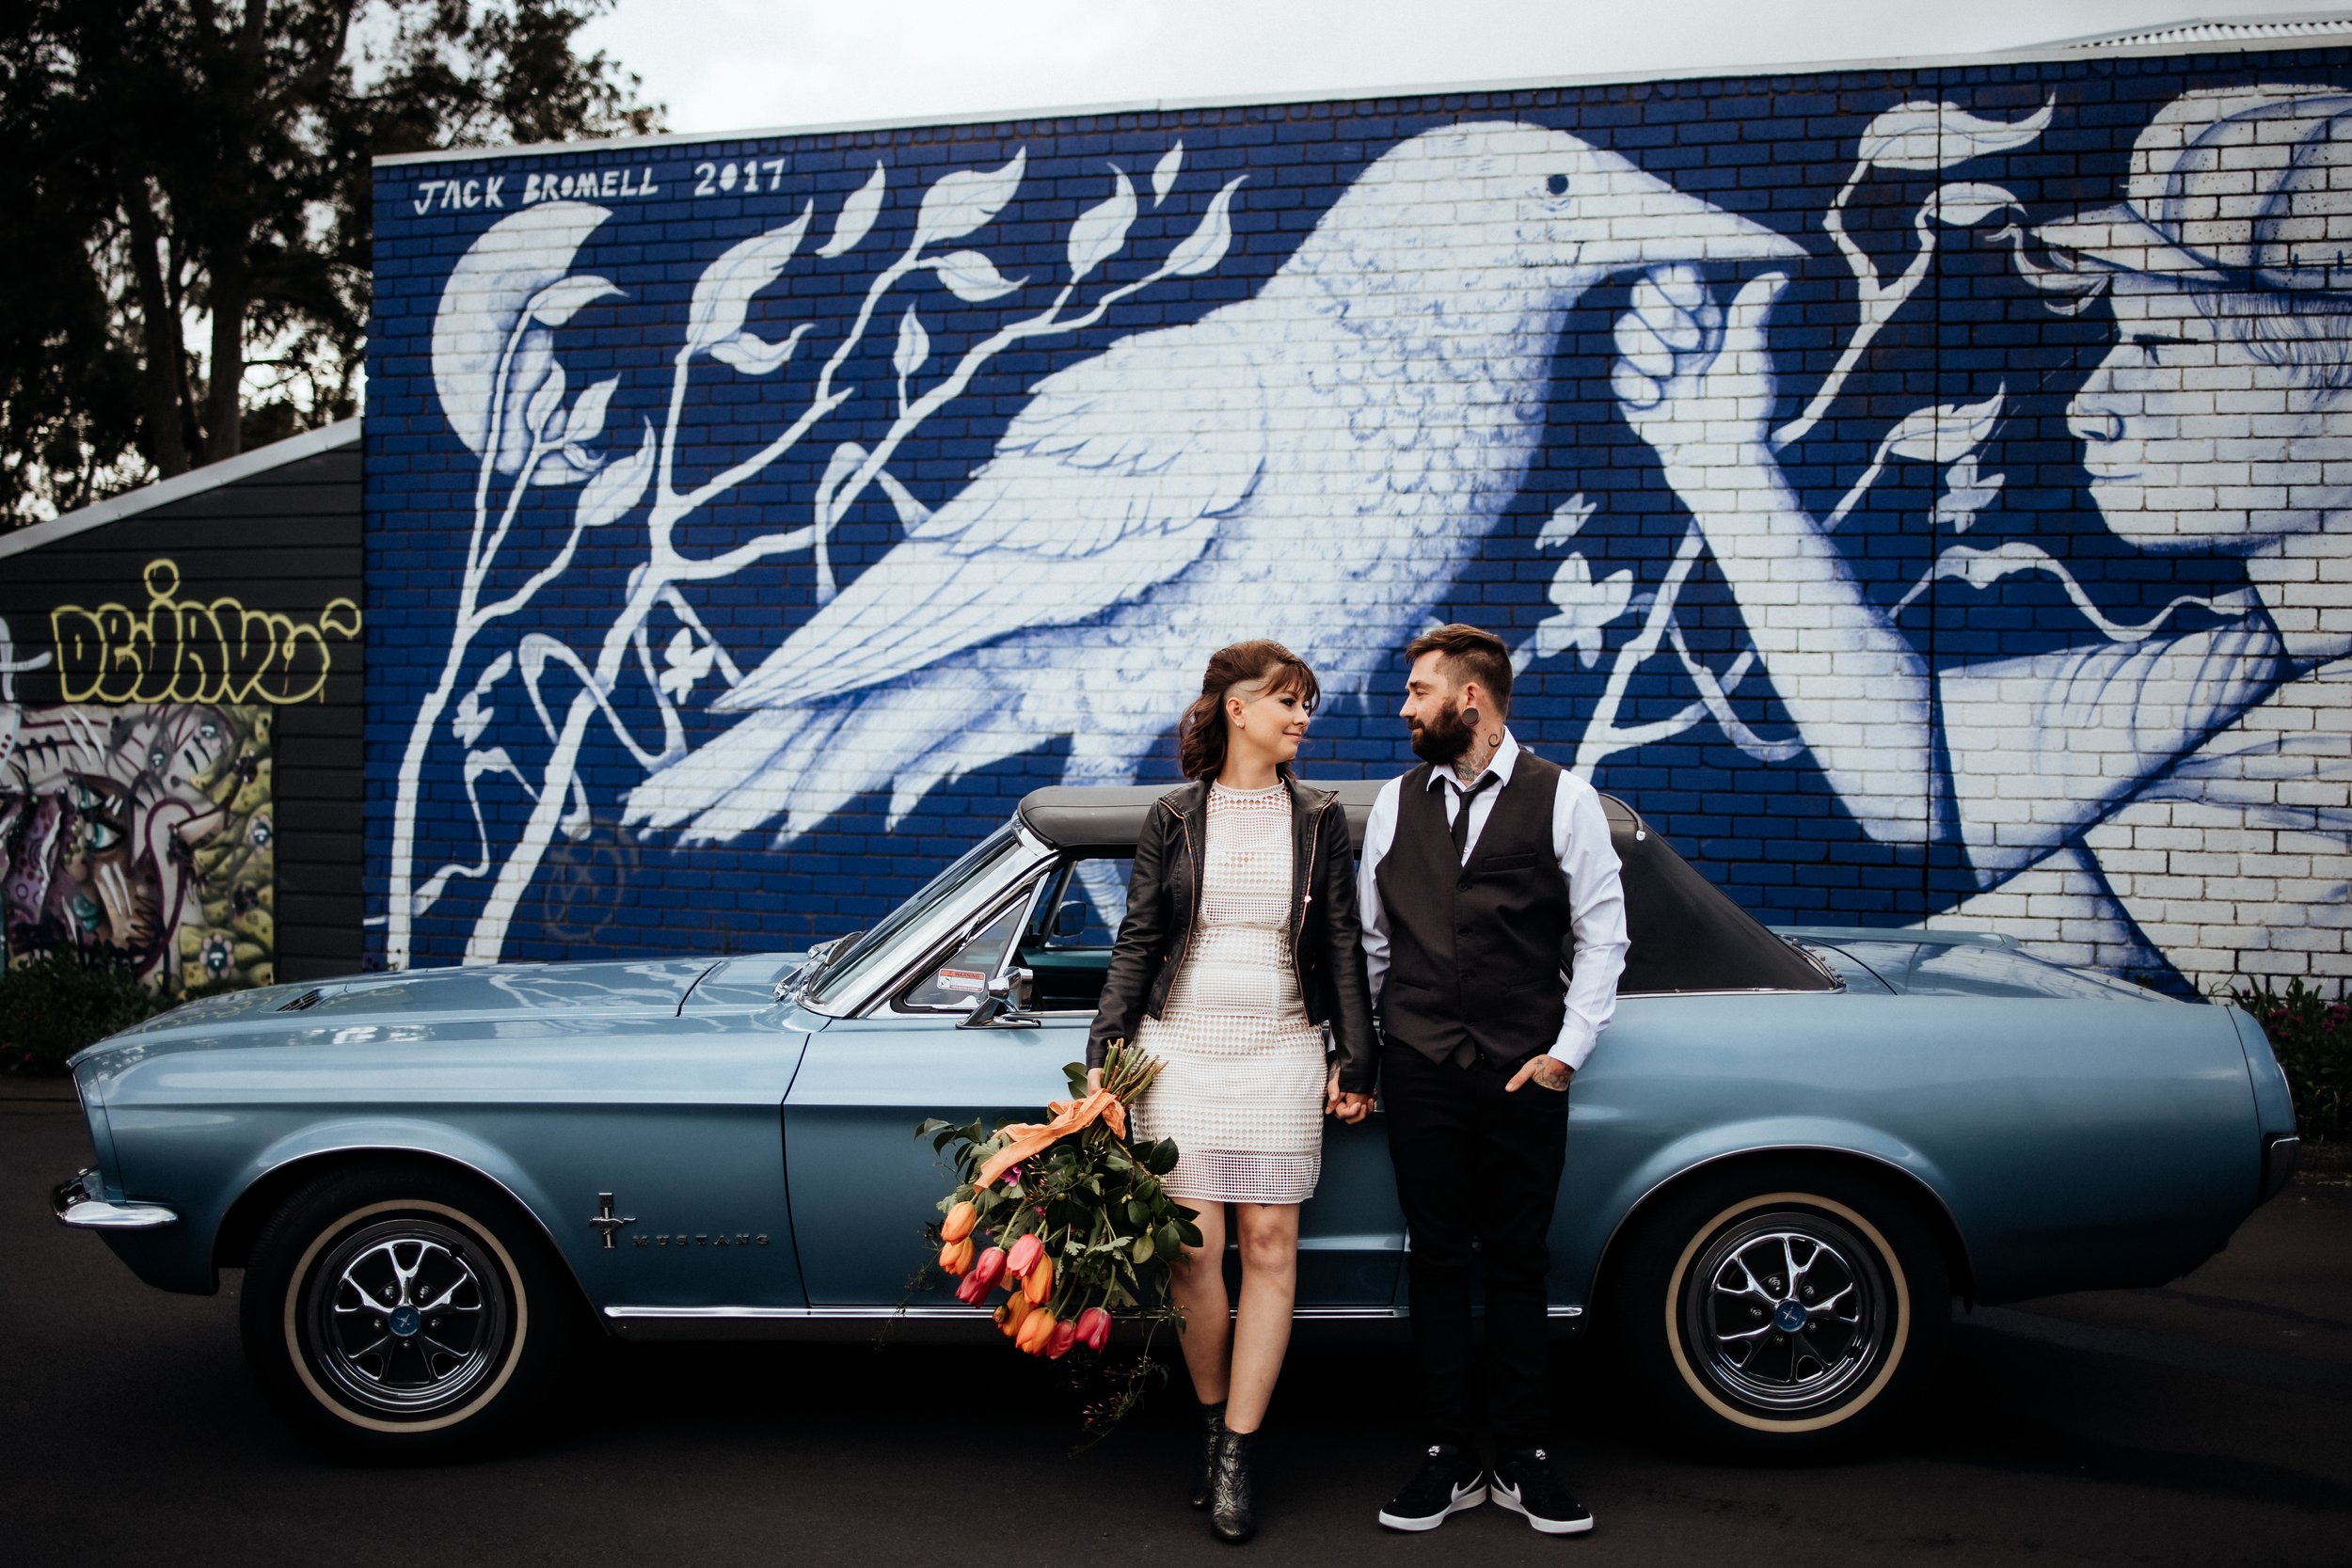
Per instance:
{"type": "Point", "coordinates": [1548, 1072]}
{"type": "Point", "coordinates": [1692, 377]}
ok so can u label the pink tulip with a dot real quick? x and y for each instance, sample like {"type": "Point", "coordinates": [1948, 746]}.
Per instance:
{"type": "Point", "coordinates": [1025, 1252]}
{"type": "Point", "coordinates": [1064, 1336]}
{"type": "Point", "coordinates": [989, 1267]}
{"type": "Point", "coordinates": [972, 1289]}
{"type": "Point", "coordinates": [1094, 1328]}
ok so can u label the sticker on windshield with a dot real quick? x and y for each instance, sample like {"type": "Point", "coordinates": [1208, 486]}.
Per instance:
{"type": "Point", "coordinates": [961, 979]}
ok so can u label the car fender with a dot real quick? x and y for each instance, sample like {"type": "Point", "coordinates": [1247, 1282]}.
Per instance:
{"type": "Point", "coordinates": [366, 1134]}
{"type": "Point", "coordinates": [1595, 1224]}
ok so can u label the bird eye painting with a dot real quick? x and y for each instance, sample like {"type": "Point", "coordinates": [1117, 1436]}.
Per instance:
{"type": "Point", "coordinates": [1914, 491]}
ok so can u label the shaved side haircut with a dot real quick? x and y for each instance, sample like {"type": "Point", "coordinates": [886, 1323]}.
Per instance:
{"type": "Point", "coordinates": [1470, 654]}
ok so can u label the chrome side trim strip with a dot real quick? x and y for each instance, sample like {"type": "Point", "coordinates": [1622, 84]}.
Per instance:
{"type": "Point", "coordinates": [925, 1321]}
{"type": "Point", "coordinates": [911, 1314]}
{"type": "Point", "coordinates": [78, 1202]}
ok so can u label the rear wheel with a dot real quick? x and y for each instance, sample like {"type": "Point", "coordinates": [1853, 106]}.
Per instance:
{"type": "Point", "coordinates": [1783, 1310]}
{"type": "Point", "coordinates": [396, 1312]}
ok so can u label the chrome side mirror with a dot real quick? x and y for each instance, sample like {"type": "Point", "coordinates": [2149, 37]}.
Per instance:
{"type": "Point", "coordinates": [1003, 1006]}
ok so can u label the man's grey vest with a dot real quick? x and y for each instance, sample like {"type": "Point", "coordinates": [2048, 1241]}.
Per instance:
{"type": "Point", "coordinates": [1500, 922]}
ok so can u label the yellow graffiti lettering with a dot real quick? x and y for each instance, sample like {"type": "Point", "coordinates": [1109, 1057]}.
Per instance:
{"type": "Point", "coordinates": [190, 651]}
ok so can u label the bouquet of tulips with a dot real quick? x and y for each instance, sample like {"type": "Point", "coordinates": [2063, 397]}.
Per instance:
{"type": "Point", "coordinates": [1061, 1215]}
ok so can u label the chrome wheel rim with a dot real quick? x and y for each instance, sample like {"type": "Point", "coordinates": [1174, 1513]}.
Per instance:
{"type": "Point", "coordinates": [1786, 1312]}
{"type": "Point", "coordinates": [407, 1317]}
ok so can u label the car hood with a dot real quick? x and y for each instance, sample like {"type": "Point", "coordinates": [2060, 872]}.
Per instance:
{"type": "Point", "coordinates": [1953, 963]}
{"type": "Point", "coordinates": [411, 1004]}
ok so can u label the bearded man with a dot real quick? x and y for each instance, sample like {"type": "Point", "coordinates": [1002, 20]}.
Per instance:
{"type": "Point", "coordinates": [1494, 933]}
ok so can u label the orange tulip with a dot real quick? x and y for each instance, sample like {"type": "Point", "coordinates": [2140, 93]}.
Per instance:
{"type": "Point", "coordinates": [959, 1223]}
{"type": "Point", "coordinates": [1009, 1316]}
{"type": "Point", "coordinates": [1036, 1329]}
{"type": "Point", "coordinates": [1038, 1287]}
{"type": "Point", "coordinates": [956, 1257]}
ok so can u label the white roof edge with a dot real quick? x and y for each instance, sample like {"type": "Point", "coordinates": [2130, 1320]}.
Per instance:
{"type": "Point", "coordinates": [293, 449]}
{"type": "Point", "coordinates": [2039, 53]}
{"type": "Point", "coordinates": [2248, 37]}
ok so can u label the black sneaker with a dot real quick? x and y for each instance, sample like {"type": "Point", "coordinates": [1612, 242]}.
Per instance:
{"type": "Point", "coordinates": [1449, 1481]}
{"type": "Point", "coordinates": [1525, 1483]}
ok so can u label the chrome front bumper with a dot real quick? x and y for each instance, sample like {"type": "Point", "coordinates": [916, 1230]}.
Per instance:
{"type": "Point", "coordinates": [79, 1203]}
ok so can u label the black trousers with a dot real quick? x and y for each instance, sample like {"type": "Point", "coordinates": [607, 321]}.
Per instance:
{"type": "Point", "coordinates": [1477, 1174]}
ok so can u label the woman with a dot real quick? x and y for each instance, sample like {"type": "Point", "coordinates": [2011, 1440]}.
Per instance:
{"type": "Point", "coordinates": [1240, 945]}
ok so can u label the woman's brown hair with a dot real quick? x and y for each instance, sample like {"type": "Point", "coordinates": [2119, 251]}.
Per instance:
{"type": "Point", "coordinates": [1201, 733]}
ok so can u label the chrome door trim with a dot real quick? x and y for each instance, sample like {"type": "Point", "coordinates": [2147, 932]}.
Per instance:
{"type": "Point", "coordinates": [917, 944]}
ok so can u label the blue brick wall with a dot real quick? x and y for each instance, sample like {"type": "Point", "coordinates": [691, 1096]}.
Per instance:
{"type": "Point", "coordinates": [2002, 695]}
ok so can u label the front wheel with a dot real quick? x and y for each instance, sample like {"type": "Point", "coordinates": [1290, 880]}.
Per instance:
{"type": "Point", "coordinates": [1783, 1310]}
{"type": "Point", "coordinates": [394, 1312]}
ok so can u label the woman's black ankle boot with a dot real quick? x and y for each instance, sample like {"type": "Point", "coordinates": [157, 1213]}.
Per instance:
{"type": "Point", "coordinates": [1212, 1427]}
{"type": "Point", "coordinates": [1231, 1514]}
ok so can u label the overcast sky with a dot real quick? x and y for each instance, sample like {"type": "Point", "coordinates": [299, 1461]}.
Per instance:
{"type": "Point", "coordinates": [723, 65]}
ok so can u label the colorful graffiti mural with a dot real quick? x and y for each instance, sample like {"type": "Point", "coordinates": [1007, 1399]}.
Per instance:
{"type": "Point", "coordinates": [1942, 529]}
{"type": "Point", "coordinates": [142, 828]}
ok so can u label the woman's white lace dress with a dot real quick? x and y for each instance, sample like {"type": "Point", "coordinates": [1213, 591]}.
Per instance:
{"type": "Point", "coordinates": [1242, 1089]}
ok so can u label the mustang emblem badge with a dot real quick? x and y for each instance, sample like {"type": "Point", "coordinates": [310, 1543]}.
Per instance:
{"type": "Point", "coordinates": [605, 1222]}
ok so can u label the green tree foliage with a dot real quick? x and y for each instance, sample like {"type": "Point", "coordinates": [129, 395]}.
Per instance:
{"type": "Point", "coordinates": [184, 268]}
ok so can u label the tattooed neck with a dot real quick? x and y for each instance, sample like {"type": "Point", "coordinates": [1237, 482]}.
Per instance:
{"type": "Point", "coordinates": [1474, 762]}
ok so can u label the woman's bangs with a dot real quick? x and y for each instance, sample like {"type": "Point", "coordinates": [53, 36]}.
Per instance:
{"type": "Point", "coordinates": [1292, 675]}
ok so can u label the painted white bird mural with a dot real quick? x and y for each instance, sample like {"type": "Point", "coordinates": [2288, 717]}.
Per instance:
{"type": "Point", "coordinates": [1312, 464]}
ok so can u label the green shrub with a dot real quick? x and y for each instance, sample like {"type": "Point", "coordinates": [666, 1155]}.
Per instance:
{"type": "Point", "coordinates": [57, 1000]}
{"type": "Point", "coordinates": [2312, 1036]}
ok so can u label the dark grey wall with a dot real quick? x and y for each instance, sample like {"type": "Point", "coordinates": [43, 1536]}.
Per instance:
{"type": "Point", "coordinates": [285, 540]}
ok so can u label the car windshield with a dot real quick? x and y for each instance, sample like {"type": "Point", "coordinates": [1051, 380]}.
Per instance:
{"type": "Point", "coordinates": [841, 973]}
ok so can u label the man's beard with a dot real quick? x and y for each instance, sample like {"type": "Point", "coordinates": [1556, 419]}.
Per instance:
{"type": "Point", "coordinates": [1442, 740]}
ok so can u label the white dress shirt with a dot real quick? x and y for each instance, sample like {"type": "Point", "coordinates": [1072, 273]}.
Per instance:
{"type": "Point", "coordinates": [1580, 841]}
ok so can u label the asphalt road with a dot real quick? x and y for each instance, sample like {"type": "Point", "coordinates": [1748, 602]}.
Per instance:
{"type": "Point", "coordinates": [2202, 1423]}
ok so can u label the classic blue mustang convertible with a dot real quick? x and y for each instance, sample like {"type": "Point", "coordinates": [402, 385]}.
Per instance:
{"type": "Point", "coordinates": [1790, 1154]}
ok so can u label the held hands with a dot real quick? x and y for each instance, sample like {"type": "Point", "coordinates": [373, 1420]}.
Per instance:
{"type": "Point", "coordinates": [1349, 1108]}
{"type": "Point", "coordinates": [1692, 376]}
{"type": "Point", "coordinates": [1548, 1072]}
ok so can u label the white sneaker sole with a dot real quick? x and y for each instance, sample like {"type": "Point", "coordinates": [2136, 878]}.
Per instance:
{"type": "Point", "coordinates": [1506, 1499]}
{"type": "Point", "coordinates": [1470, 1499]}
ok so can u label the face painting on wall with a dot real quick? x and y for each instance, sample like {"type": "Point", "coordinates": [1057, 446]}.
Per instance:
{"type": "Point", "coordinates": [143, 830]}
{"type": "Point", "coordinates": [1361, 434]}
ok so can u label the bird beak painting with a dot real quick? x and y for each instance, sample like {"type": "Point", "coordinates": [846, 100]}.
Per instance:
{"type": "Point", "coordinates": [1637, 223]}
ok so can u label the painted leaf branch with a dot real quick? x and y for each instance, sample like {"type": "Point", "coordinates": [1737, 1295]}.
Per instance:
{"type": "Point", "coordinates": [1914, 136]}
{"type": "Point", "coordinates": [955, 207]}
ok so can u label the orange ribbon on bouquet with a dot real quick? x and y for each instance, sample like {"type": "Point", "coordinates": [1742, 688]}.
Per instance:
{"type": "Point", "coordinates": [1070, 1115]}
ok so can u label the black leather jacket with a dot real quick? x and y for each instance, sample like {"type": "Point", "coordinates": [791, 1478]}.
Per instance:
{"type": "Point", "coordinates": [1327, 939]}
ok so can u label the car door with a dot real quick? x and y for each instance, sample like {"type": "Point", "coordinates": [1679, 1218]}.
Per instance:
{"type": "Point", "coordinates": [863, 1185]}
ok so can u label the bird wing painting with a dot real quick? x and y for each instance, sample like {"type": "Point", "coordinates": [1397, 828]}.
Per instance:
{"type": "Point", "coordinates": [1362, 421]}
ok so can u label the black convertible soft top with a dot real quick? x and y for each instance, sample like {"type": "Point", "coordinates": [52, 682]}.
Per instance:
{"type": "Point", "coordinates": [1686, 935]}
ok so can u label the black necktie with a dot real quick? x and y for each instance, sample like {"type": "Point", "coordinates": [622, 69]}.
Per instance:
{"type": "Point", "coordinates": [1461, 814]}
